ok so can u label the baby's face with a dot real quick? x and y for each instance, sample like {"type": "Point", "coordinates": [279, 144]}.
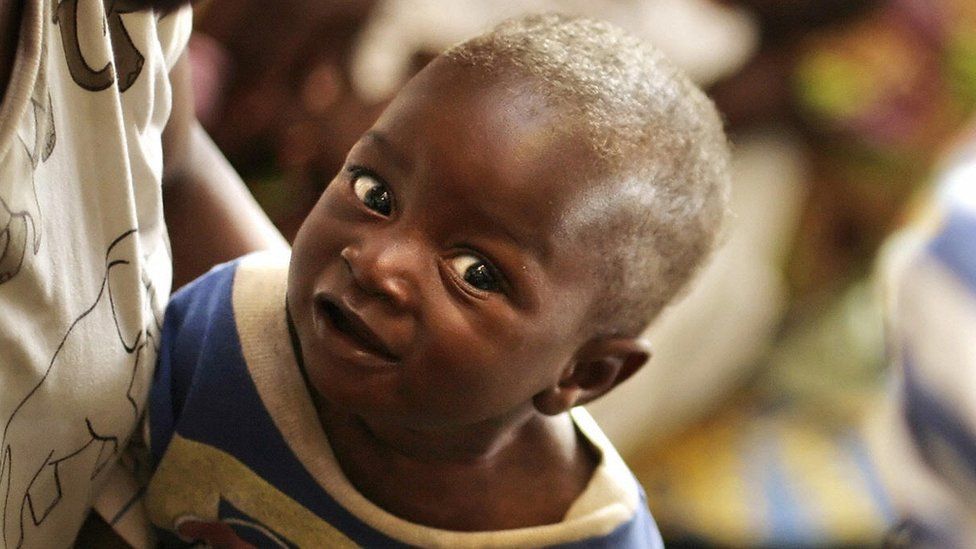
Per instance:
{"type": "Point", "coordinates": [436, 283]}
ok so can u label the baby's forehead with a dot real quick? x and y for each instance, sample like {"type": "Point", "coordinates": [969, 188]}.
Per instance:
{"type": "Point", "coordinates": [498, 123]}
{"type": "Point", "coordinates": [447, 89]}
{"type": "Point", "coordinates": [472, 131]}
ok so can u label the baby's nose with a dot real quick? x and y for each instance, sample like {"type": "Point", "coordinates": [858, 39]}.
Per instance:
{"type": "Point", "coordinates": [385, 269]}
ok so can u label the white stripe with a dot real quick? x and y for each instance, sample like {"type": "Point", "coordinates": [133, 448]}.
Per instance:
{"type": "Point", "coordinates": [935, 321]}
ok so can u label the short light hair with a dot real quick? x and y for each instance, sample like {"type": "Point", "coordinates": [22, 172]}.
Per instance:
{"type": "Point", "coordinates": [656, 136]}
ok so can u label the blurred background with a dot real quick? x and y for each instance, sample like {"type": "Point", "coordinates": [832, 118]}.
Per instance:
{"type": "Point", "coordinates": [751, 425]}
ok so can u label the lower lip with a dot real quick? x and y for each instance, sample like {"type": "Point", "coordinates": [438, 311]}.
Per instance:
{"type": "Point", "coordinates": [347, 347]}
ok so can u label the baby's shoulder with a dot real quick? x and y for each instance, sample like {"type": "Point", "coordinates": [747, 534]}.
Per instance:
{"type": "Point", "coordinates": [201, 325]}
{"type": "Point", "coordinates": [204, 294]}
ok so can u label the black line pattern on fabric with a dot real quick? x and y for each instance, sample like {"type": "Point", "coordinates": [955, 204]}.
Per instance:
{"type": "Point", "coordinates": [34, 462]}
{"type": "Point", "coordinates": [20, 210]}
{"type": "Point", "coordinates": [127, 505]}
{"type": "Point", "coordinates": [127, 61]}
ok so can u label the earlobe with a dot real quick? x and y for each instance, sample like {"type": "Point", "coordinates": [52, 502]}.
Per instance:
{"type": "Point", "coordinates": [598, 366]}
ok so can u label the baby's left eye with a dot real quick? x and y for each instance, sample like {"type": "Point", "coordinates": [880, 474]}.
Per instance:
{"type": "Point", "coordinates": [476, 272]}
{"type": "Point", "coordinates": [373, 193]}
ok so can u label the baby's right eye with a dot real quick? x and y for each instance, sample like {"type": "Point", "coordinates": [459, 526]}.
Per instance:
{"type": "Point", "coordinates": [373, 194]}
{"type": "Point", "coordinates": [476, 271]}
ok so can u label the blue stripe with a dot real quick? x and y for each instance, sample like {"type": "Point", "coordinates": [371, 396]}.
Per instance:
{"type": "Point", "coordinates": [879, 495]}
{"type": "Point", "coordinates": [205, 393]}
{"type": "Point", "coordinates": [785, 521]}
{"type": "Point", "coordinates": [935, 428]}
{"type": "Point", "coordinates": [955, 246]}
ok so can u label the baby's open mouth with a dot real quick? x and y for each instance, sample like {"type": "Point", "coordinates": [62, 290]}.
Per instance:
{"type": "Point", "coordinates": [350, 325]}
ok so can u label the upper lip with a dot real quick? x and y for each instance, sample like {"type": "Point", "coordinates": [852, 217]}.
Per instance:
{"type": "Point", "coordinates": [348, 321]}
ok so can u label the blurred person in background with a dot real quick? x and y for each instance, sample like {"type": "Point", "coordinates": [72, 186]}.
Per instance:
{"type": "Point", "coordinates": [926, 432]}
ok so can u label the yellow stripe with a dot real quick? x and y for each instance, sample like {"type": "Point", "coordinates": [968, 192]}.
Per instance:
{"type": "Point", "coordinates": [193, 477]}
{"type": "Point", "coordinates": [697, 484]}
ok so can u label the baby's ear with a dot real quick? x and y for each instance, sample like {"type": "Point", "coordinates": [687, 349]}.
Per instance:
{"type": "Point", "coordinates": [598, 366]}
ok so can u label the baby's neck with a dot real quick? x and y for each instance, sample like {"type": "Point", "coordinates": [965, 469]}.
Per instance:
{"type": "Point", "coordinates": [480, 479]}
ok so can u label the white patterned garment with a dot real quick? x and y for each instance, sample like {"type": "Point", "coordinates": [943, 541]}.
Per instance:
{"type": "Point", "coordinates": [927, 445]}
{"type": "Point", "coordinates": [85, 267]}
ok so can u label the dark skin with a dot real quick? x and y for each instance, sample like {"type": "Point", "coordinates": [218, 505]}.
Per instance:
{"type": "Point", "coordinates": [10, 11]}
{"type": "Point", "coordinates": [443, 306]}
{"type": "Point", "coordinates": [211, 215]}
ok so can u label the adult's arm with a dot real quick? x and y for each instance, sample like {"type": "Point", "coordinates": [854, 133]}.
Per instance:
{"type": "Point", "coordinates": [211, 215]}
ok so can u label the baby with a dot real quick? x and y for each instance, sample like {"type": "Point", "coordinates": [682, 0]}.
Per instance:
{"type": "Point", "coordinates": [483, 264]}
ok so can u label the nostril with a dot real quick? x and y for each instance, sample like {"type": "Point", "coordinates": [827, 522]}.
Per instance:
{"type": "Point", "coordinates": [335, 315]}
{"type": "Point", "coordinates": [331, 311]}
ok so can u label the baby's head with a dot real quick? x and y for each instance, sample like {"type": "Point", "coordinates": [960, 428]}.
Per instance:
{"type": "Point", "coordinates": [499, 239]}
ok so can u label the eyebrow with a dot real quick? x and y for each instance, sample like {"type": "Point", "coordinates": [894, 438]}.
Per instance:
{"type": "Point", "coordinates": [400, 161]}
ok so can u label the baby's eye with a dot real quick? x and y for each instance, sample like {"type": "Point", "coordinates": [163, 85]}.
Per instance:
{"type": "Point", "coordinates": [373, 194]}
{"type": "Point", "coordinates": [476, 272]}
